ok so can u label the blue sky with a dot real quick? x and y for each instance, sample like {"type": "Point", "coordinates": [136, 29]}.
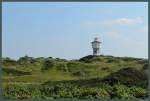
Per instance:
{"type": "Point", "coordinates": [65, 30]}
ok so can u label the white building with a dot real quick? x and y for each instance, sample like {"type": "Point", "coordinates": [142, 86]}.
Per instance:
{"type": "Point", "coordinates": [96, 46]}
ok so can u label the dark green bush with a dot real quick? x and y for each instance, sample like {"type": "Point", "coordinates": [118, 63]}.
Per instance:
{"type": "Point", "coordinates": [112, 60]}
{"type": "Point", "coordinates": [145, 66]}
{"type": "Point", "coordinates": [48, 64]}
{"type": "Point", "coordinates": [7, 62]}
{"type": "Point", "coordinates": [127, 76]}
{"type": "Point", "coordinates": [128, 59]}
{"type": "Point", "coordinates": [104, 68]}
{"type": "Point", "coordinates": [79, 73]}
{"type": "Point", "coordinates": [25, 60]}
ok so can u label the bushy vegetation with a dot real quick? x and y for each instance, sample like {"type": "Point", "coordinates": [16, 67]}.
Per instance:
{"type": "Point", "coordinates": [48, 64]}
{"type": "Point", "coordinates": [69, 90]}
{"type": "Point", "coordinates": [91, 77]}
{"type": "Point", "coordinates": [128, 76]}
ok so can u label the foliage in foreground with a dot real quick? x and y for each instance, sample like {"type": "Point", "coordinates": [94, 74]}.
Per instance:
{"type": "Point", "coordinates": [73, 91]}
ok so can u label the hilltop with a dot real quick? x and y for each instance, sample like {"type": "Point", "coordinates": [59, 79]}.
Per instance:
{"type": "Point", "coordinates": [43, 69]}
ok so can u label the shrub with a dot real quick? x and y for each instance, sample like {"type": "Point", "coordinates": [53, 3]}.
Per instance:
{"type": "Point", "coordinates": [87, 59]}
{"type": "Point", "coordinates": [48, 64]}
{"type": "Point", "coordinates": [7, 61]}
{"type": "Point", "coordinates": [127, 76]}
{"type": "Point", "coordinates": [128, 59]}
{"type": "Point", "coordinates": [79, 73]}
{"type": "Point", "coordinates": [104, 68]}
{"type": "Point", "coordinates": [62, 66]}
{"type": "Point", "coordinates": [21, 92]}
{"type": "Point", "coordinates": [121, 92]}
{"type": "Point", "coordinates": [124, 92]}
{"type": "Point", "coordinates": [26, 60]}
{"type": "Point", "coordinates": [145, 67]}
{"type": "Point", "coordinates": [69, 90]}
{"type": "Point", "coordinates": [111, 60]}
{"type": "Point", "coordinates": [139, 92]}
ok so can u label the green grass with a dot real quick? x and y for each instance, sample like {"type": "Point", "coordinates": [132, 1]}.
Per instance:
{"type": "Point", "coordinates": [66, 70]}
{"type": "Point", "coordinates": [52, 74]}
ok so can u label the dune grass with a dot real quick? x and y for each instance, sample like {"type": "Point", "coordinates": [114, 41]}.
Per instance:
{"type": "Point", "coordinates": [87, 71]}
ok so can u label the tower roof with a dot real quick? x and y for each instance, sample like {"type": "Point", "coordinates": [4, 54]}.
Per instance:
{"type": "Point", "coordinates": [96, 40]}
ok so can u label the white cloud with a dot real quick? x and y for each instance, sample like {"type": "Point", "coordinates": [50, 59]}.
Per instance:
{"type": "Point", "coordinates": [112, 22]}
{"type": "Point", "coordinates": [128, 21]}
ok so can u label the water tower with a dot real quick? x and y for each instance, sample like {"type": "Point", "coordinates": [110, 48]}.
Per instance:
{"type": "Point", "coordinates": [96, 46]}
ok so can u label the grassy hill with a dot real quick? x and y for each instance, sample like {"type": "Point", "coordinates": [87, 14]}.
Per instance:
{"type": "Point", "coordinates": [91, 74]}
